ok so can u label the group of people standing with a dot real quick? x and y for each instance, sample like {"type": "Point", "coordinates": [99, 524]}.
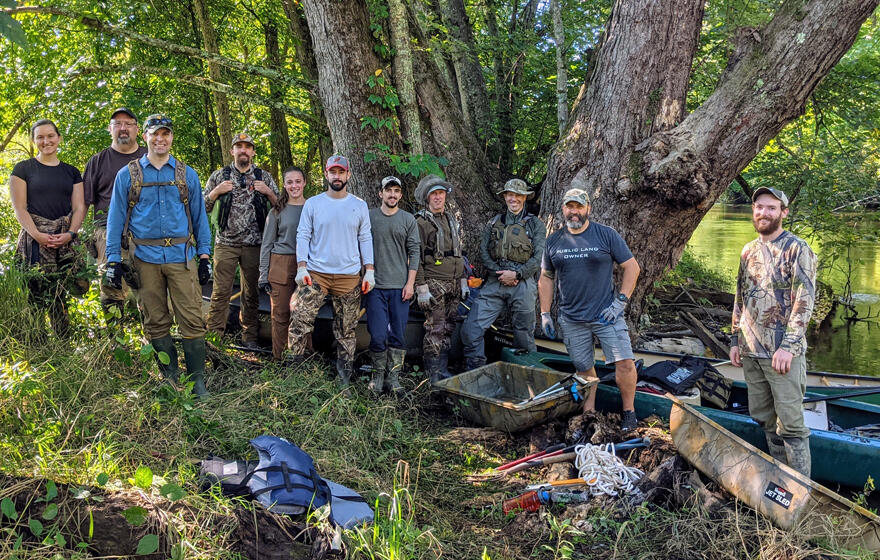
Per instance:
{"type": "Point", "coordinates": [152, 235]}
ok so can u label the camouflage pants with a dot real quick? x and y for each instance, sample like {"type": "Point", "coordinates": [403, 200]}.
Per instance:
{"type": "Point", "coordinates": [440, 318]}
{"type": "Point", "coordinates": [304, 307]}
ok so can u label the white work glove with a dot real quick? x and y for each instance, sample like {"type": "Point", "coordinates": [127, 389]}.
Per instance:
{"type": "Point", "coordinates": [548, 326]}
{"type": "Point", "coordinates": [609, 315]}
{"type": "Point", "coordinates": [369, 281]}
{"type": "Point", "coordinates": [302, 277]}
{"type": "Point", "coordinates": [465, 289]}
{"type": "Point", "coordinates": [424, 297]}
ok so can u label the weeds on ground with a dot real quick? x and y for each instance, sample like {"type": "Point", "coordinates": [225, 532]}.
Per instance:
{"type": "Point", "coordinates": [693, 270]}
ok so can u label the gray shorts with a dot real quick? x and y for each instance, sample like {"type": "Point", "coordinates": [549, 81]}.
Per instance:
{"type": "Point", "coordinates": [578, 338]}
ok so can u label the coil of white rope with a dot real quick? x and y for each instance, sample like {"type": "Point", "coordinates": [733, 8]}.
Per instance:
{"type": "Point", "coordinates": [605, 472]}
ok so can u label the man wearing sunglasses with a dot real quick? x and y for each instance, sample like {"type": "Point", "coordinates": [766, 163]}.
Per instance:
{"type": "Point", "coordinates": [157, 216]}
{"type": "Point", "coordinates": [98, 180]}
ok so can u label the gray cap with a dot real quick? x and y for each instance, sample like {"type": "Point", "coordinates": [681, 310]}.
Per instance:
{"type": "Point", "coordinates": [775, 193]}
{"type": "Point", "coordinates": [576, 195]}
{"type": "Point", "coordinates": [517, 186]}
{"type": "Point", "coordinates": [391, 180]}
{"type": "Point", "coordinates": [430, 184]}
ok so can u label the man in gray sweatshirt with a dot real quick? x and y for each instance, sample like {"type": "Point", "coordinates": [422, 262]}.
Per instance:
{"type": "Point", "coordinates": [333, 244]}
{"type": "Point", "coordinates": [396, 252]}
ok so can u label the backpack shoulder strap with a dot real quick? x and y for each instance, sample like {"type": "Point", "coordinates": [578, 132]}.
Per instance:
{"type": "Point", "coordinates": [227, 173]}
{"type": "Point", "coordinates": [134, 195]}
{"type": "Point", "coordinates": [183, 192]}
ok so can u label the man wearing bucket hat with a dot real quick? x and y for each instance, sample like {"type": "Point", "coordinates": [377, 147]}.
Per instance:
{"type": "Point", "coordinates": [441, 280]}
{"type": "Point", "coordinates": [511, 249]}
{"type": "Point", "coordinates": [579, 262]}
{"type": "Point", "coordinates": [157, 217]}
{"type": "Point", "coordinates": [396, 252]}
{"type": "Point", "coordinates": [238, 197]}
{"type": "Point", "coordinates": [98, 177]}
{"type": "Point", "coordinates": [333, 244]}
{"type": "Point", "coordinates": [775, 293]}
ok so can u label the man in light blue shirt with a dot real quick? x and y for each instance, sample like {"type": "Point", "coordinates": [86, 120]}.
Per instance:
{"type": "Point", "coordinates": [160, 233]}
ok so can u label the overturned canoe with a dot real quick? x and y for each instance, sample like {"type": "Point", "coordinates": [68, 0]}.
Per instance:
{"type": "Point", "coordinates": [786, 497]}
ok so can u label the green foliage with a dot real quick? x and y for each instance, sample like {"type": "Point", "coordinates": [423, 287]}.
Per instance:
{"type": "Point", "coordinates": [694, 270]}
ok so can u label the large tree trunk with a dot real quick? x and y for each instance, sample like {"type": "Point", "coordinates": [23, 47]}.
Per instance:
{"type": "Point", "coordinates": [403, 76]}
{"type": "Point", "coordinates": [209, 38]}
{"type": "Point", "coordinates": [279, 137]}
{"type": "Point", "coordinates": [654, 173]}
{"type": "Point", "coordinates": [307, 66]}
{"type": "Point", "coordinates": [471, 85]}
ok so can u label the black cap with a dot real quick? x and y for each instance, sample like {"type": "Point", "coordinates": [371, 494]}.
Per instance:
{"type": "Point", "coordinates": [125, 110]}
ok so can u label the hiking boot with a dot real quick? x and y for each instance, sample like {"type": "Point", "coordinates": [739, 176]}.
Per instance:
{"type": "Point", "coordinates": [170, 370]}
{"type": "Point", "coordinates": [396, 359]}
{"type": "Point", "coordinates": [629, 421]}
{"type": "Point", "coordinates": [776, 447]}
{"type": "Point", "coordinates": [251, 345]}
{"type": "Point", "coordinates": [379, 362]}
{"type": "Point", "coordinates": [474, 363]}
{"type": "Point", "coordinates": [798, 452]}
{"type": "Point", "coordinates": [194, 354]}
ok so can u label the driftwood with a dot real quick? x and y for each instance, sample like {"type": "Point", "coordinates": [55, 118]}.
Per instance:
{"type": "Point", "coordinates": [705, 335]}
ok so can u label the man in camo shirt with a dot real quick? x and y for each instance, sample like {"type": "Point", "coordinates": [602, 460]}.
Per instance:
{"type": "Point", "coordinates": [775, 291]}
{"type": "Point", "coordinates": [238, 197]}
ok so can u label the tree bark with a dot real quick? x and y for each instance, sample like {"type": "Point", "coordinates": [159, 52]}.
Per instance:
{"type": "Point", "coordinates": [652, 172]}
{"type": "Point", "coordinates": [403, 76]}
{"type": "Point", "coordinates": [279, 137]}
{"type": "Point", "coordinates": [345, 61]}
{"type": "Point", "coordinates": [305, 58]}
{"type": "Point", "coordinates": [209, 39]}
{"type": "Point", "coordinates": [471, 84]}
{"type": "Point", "coordinates": [561, 66]}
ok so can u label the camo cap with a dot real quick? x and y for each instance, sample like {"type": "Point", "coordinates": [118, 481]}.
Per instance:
{"type": "Point", "coordinates": [576, 195]}
{"type": "Point", "coordinates": [517, 186]}
{"type": "Point", "coordinates": [243, 137]}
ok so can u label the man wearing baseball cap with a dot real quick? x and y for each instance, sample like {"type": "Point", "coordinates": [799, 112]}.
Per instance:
{"type": "Point", "coordinates": [579, 262]}
{"type": "Point", "coordinates": [775, 293]}
{"type": "Point", "coordinates": [157, 217]}
{"type": "Point", "coordinates": [511, 249]}
{"type": "Point", "coordinates": [98, 177]}
{"type": "Point", "coordinates": [238, 198]}
{"type": "Point", "coordinates": [396, 253]}
{"type": "Point", "coordinates": [441, 279]}
{"type": "Point", "coordinates": [333, 245]}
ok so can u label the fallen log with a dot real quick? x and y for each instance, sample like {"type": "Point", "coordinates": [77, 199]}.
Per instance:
{"type": "Point", "coordinates": [705, 335]}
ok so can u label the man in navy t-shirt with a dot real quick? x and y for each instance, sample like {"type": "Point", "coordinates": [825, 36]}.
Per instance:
{"type": "Point", "coordinates": [579, 260]}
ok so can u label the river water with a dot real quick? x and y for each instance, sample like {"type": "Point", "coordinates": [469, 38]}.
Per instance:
{"type": "Point", "coordinates": [846, 347]}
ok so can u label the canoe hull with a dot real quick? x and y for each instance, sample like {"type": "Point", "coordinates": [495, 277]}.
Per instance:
{"type": "Point", "coordinates": [786, 497]}
{"type": "Point", "coordinates": [837, 458]}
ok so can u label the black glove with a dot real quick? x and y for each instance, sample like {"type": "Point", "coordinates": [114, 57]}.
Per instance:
{"type": "Point", "coordinates": [113, 275]}
{"type": "Point", "coordinates": [131, 277]}
{"type": "Point", "coordinates": [266, 287]}
{"type": "Point", "coordinates": [204, 271]}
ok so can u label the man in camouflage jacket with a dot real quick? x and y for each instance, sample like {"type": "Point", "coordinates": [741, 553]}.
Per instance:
{"type": "Point", "coordinates": [775, 291]}
{"type": "Point", "coordinates": [238, 196]}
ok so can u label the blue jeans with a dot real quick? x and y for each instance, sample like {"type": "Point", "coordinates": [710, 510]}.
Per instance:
{"type": "Point", "coordinates": [386, 319]}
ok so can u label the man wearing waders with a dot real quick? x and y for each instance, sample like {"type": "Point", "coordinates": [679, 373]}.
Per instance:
{"type": "Point", "coordinates": [157, 219]}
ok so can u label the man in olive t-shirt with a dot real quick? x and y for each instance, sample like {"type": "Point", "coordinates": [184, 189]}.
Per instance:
{"type": "Point", "coordinates": [98, 178]}
{"type": "Point", "coordinates": [396, 254]}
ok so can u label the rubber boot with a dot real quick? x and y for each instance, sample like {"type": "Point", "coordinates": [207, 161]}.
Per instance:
{"type": "Point", "coordinates": [776, 446]}
{"type": "Point", "coordinates": [798, 451]}
{"type": "Point", "coordinates": [444, 365]}
{"type": "Point", "coordinates": [194, 353]}
{"type": "Point", "coordinates": [343, 370]}
{"type": "Point", "coordinates": [170, 371]}
{"type": "Point", "coordinates": [396, 358]}
{"type": "Point", "coordinates": [434, 365]}
{"type": "Point", "coordinates": [379, 362]}
{"type": "Point", "coordinates": [474, 363]}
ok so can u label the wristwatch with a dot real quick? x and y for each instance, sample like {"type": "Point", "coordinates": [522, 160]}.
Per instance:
{"type": "Point", "coordinates": [623, 298]}
{"type": "Point", "coordinates": [73, 235]}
